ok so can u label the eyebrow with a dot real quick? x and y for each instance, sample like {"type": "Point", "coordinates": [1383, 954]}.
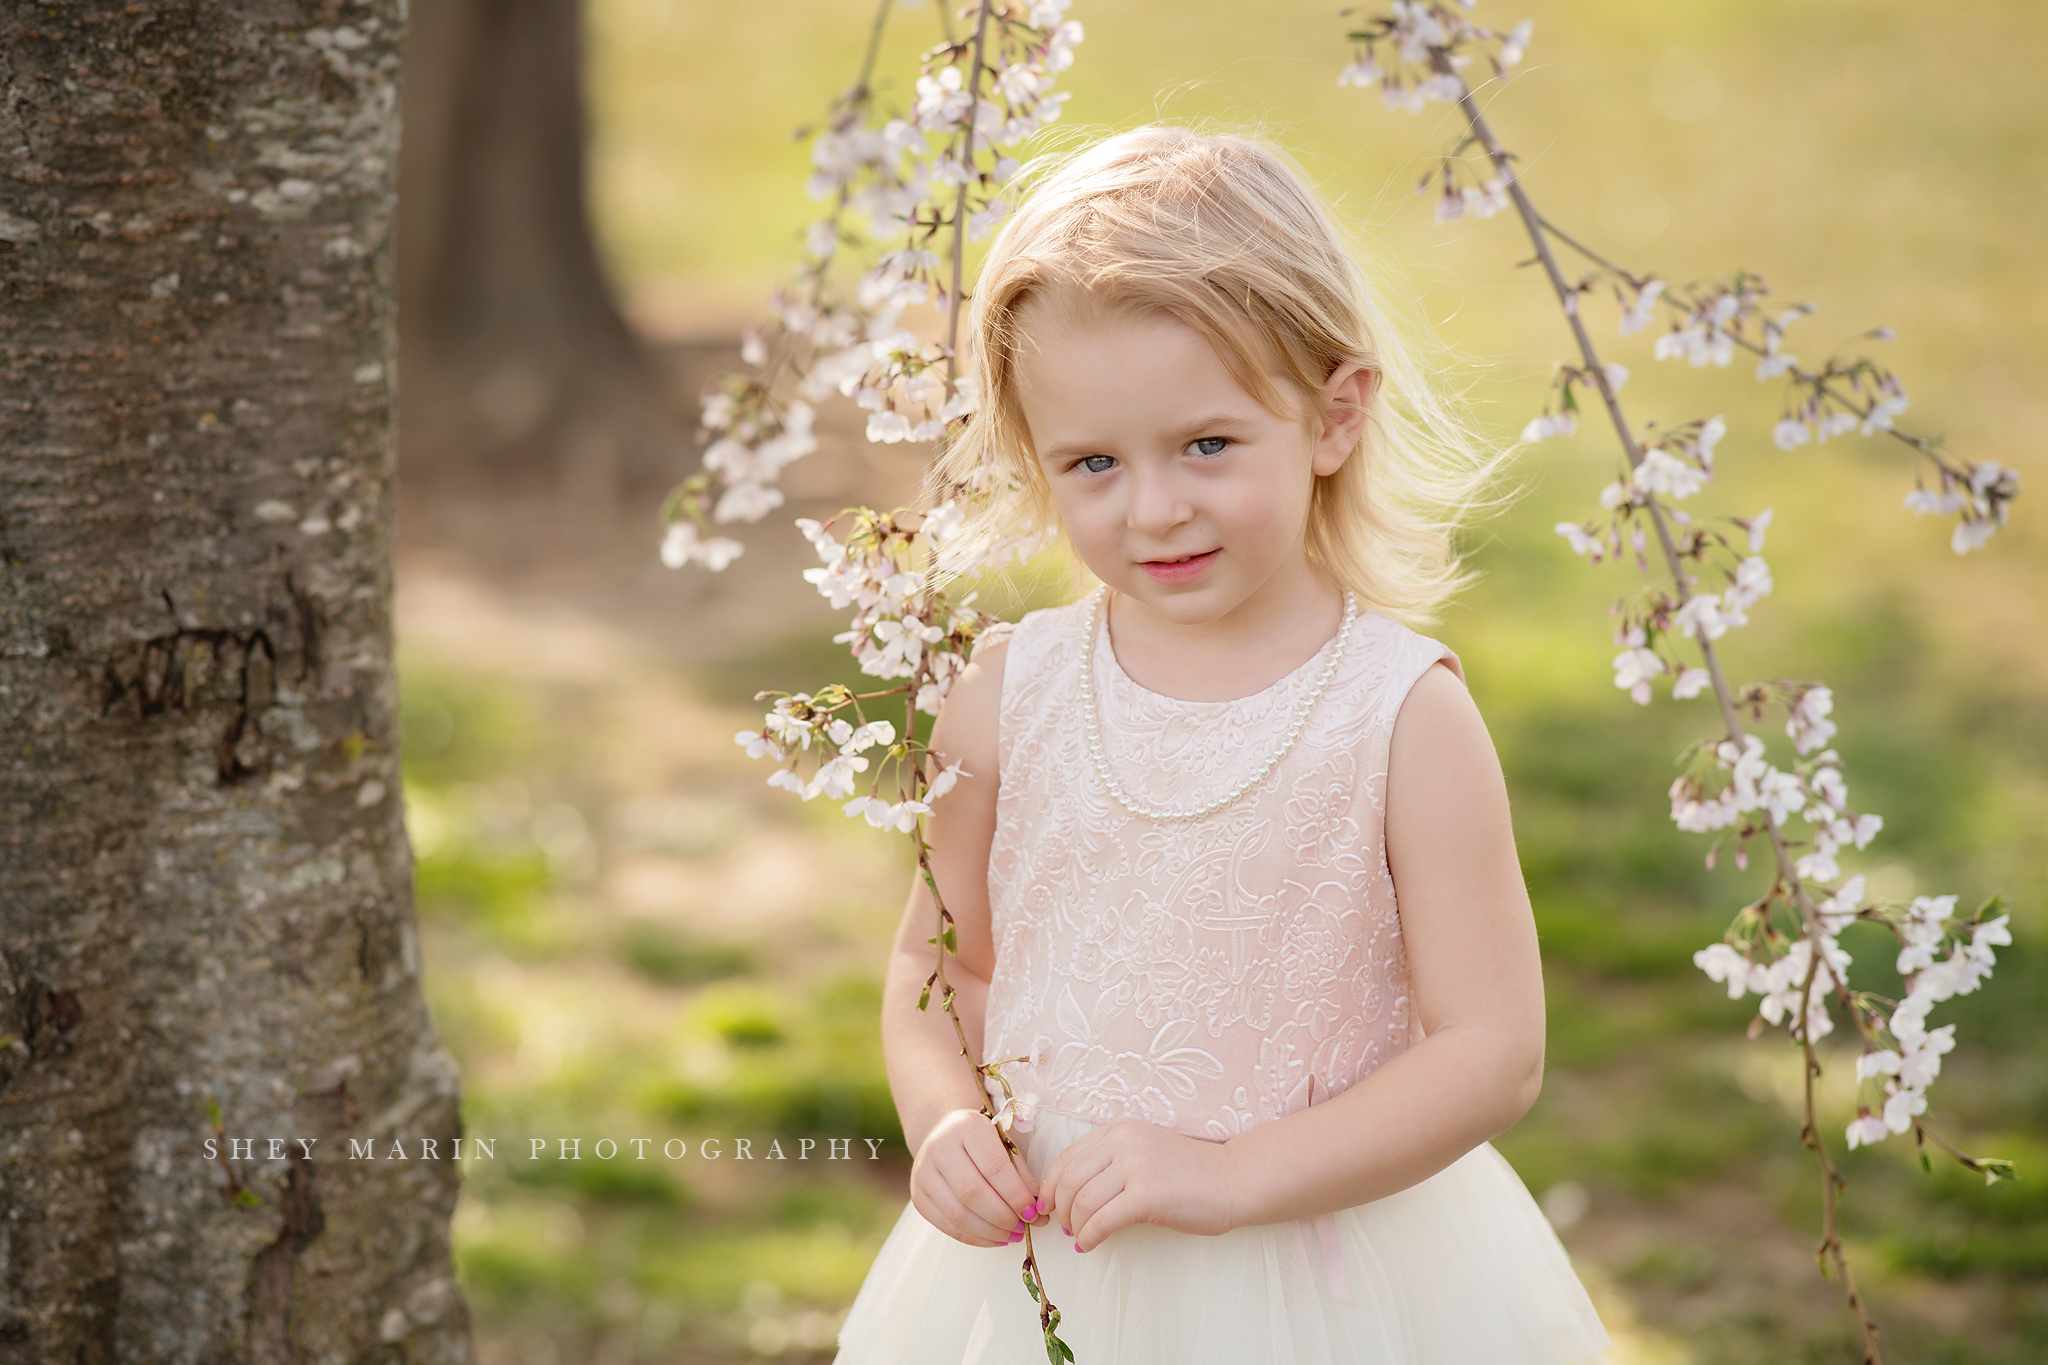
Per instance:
{"type": "Point", "coordinates": [1186, 431]}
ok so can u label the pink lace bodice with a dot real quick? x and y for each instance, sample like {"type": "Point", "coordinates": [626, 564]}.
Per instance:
{"type": "Point", "coordinates": [1208, 975]}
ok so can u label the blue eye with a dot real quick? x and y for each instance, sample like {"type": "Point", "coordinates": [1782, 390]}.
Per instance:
{"type": "Point", "coordinates": [1208, 445]}
{"type": "Point", "coordinates": [1098, 464]}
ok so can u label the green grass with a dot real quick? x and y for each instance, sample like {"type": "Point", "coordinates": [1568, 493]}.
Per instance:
{"type": "Point", "coordinates": [1870, 155]}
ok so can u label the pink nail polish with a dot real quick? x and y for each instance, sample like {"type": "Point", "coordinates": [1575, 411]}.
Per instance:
{"type": "Point", "coordinates": [1077, 1247]}
{"type": "Point", "coordinates": [1016, 1237]}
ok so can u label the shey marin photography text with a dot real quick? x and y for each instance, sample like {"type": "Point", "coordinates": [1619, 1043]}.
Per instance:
{"type": "Point", "coordinates": [544, 1149]}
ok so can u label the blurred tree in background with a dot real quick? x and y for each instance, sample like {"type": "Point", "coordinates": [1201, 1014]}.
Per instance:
{"type": "Point", "coordinates": [518, 365]}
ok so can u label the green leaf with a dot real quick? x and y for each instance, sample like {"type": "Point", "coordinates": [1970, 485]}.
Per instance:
{"type": "Point", "coordinates": [924, 997]}
{"type": "Point", "coordinates": [247, 1199]}
{"type": "Point", "coordinates": [213, 1111]}
{"type": "Point", "coordinates": [952, 941]}
{"type": "Point", "coordinates": [1926, 1164]}
{"type": "Point", "coordinates": [1030, 1286]}
{"type": "Point", "coordinates": [1996, 1169]}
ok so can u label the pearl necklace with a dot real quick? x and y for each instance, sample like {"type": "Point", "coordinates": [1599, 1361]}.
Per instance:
{"type": "Point", "coordinates": [1094, 736]}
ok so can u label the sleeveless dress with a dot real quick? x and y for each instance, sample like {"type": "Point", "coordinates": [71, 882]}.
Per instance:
{"type": "Point", "coordinates": [1210, 976]}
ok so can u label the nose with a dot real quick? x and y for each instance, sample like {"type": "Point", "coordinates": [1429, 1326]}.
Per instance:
{"type": "Point", "coordinates": [1157, 502]}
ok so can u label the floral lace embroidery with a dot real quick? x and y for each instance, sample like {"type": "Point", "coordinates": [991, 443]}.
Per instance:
{"type": "Point", "coordinates": [1196, 975]}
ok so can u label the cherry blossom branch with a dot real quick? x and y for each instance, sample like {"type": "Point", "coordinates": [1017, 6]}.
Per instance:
{"type": "Point", "coordinates": [1432, 46]}
{"type": "Point", "coordinates": [875, 563]}
{"type": "Point", "coordinates": [1711, 323]}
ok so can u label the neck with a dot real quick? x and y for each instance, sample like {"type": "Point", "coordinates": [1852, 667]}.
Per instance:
{"type": "Point", "coordinates": [1244, 651]}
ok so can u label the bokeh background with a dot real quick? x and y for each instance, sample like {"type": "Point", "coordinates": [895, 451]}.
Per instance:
{"type": "Point", "coordinates": [627, 934]}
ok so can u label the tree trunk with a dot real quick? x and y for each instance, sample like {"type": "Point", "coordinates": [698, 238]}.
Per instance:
{"type": "Point", "coordinates": [205, 890]}
{"type": "Point", "coordinates": [519, 367]}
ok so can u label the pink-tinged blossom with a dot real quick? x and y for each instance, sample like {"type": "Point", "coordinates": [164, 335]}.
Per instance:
{"type": "Point", "coordinates": [1807, 725]}
{"type": "Point", "coordinates": [1757, 525]}
{"type": "Point", "coordinates": [866, 736]}
{"type": "Point", "coordinates": [1581, 542]}
{"type": "Point", "coordinates": [1695, 815]}
{"type": "Point", "coordinates": [1879, 418]}
{"type": "Point", "coordinates": [746, 502]}
{"type": "Point", "coordinates": [834, 777]}
{"type": "Point", "coordinates": [1818, 866]}
{"type": "Point", "coordinates": [1013, 1112]}
{"type": "Point", "coordinates": [1362, 74]}
{"type": "Point", "coordinates": [1710, 433]}
{"type": "Point", "coordinates": [1866, 1129]}
{"type": "Point", "coordinates": [944, 781]}
{"type": "Point", "coordinates": [684, 544]}
{"type": "Point", "coordinates": [758, 745]}
{"type": "Point", "coordinates": [1839, 909]}
{"type": "Point", "coordinates": [1991, 933]}
{"type": "Point", "coordinates": [1690, 684]}
{"type": "Point", "coordinates": [1633, 669]}
{"type": "Point", "coordinates": [1782, 794]}
{"type": "Point", "coordinates": [1643, 309]}
{"type": "Point", "coordinates": [1700, 617]}
{"type": "Point", "coordinates": [1902, 1107]}
{"type": "Point", "coordinates": [1517, 44]}
{"type": "Point", "coordinates": [1752, 581]}
{"type": "Point", "coordinates": [901, 817]}
{"type": "Point", "coordinates": [1920, 1064]}
{"type": "Point", "coordinates": [1790, 433]}
{"type": "Point", "coordinates": [1550, 424]}
{"type": "Point", "coordinates": [1666, 475]}
{"type": "Point", "coordinates": [1827, 784]}
{"type": "Point", "coordinates": [1724, 964]}
{"type": "Point", "coordinates": [1834, 424]}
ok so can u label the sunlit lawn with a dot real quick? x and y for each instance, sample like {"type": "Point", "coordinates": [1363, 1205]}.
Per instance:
{"type": "Point", "coordinates": [629, 934]}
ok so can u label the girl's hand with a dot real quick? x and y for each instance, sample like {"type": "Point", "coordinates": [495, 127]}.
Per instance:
{"type": "Point", "coordinates": [1130, 1171]}
{"type": "Point", "coordinates": [966, 1184]}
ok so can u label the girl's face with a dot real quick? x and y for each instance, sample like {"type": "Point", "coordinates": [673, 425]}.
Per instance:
{"type": "Point", "coordinates": [1175, 485]}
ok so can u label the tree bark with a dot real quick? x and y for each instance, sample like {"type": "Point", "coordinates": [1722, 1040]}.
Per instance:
{"type": "Point", "coordinates": [205, 890]}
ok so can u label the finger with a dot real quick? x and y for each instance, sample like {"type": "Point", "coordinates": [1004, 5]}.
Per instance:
{"type": "Point", "coordinates": [1092, 1194]}
{"type": "Point", "coordinates": [970, 1183]}
{"type": "Point", "coordinates": [1016, 1189]}
{"type": "Point", "coordinates": [1035, 1204]}
{"type": "Point", "coordinates": [964, 1202]}
{"type": "Point", "coordinates": [956, 1219]}
{"type": "Point", "coordinates": [1084, 1166]}
{"type": "Point", "coordinates": [1120, 1210]}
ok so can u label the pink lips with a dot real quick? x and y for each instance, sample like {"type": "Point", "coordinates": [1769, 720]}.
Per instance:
{"type": "Point", "coordinates": [1179, 571]}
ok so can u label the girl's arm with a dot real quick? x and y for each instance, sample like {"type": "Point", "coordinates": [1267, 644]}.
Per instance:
{"type": "Point", "coordinates": [966, 1185]}
{"type": "Point", "coordinates": [1475, 977]}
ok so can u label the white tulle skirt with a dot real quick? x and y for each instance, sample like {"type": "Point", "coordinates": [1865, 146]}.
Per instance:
{"type": "Point", "coordinates": [1462, 1269]}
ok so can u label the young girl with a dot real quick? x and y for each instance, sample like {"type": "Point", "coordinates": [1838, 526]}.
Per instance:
{"type": "Point", "coordinates": [1262, 1094]}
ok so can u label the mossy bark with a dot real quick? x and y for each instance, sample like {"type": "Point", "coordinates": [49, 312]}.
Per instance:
{"type": "Point", "coordinates": [205, 890]}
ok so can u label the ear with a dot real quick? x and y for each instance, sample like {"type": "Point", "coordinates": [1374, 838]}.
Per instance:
{"type": "Point", "coordinates": [1345, 399]}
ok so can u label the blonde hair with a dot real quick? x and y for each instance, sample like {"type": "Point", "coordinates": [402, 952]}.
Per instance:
{"type": "Point", "coordinates": [1222, 235]}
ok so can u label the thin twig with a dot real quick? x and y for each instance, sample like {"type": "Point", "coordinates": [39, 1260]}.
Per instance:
{"type": "Point", "coordinates": [1788, 877]}
{"type": "Point", "coordinates": [1812, 379]}
{"type": "Point", "coordinates": [953, 301]}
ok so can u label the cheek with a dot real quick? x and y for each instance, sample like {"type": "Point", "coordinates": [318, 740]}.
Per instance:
{"type": "Point", "coordinates": [1082, 512]}
{"type": "Point", "coordinates": [1266, 502]}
